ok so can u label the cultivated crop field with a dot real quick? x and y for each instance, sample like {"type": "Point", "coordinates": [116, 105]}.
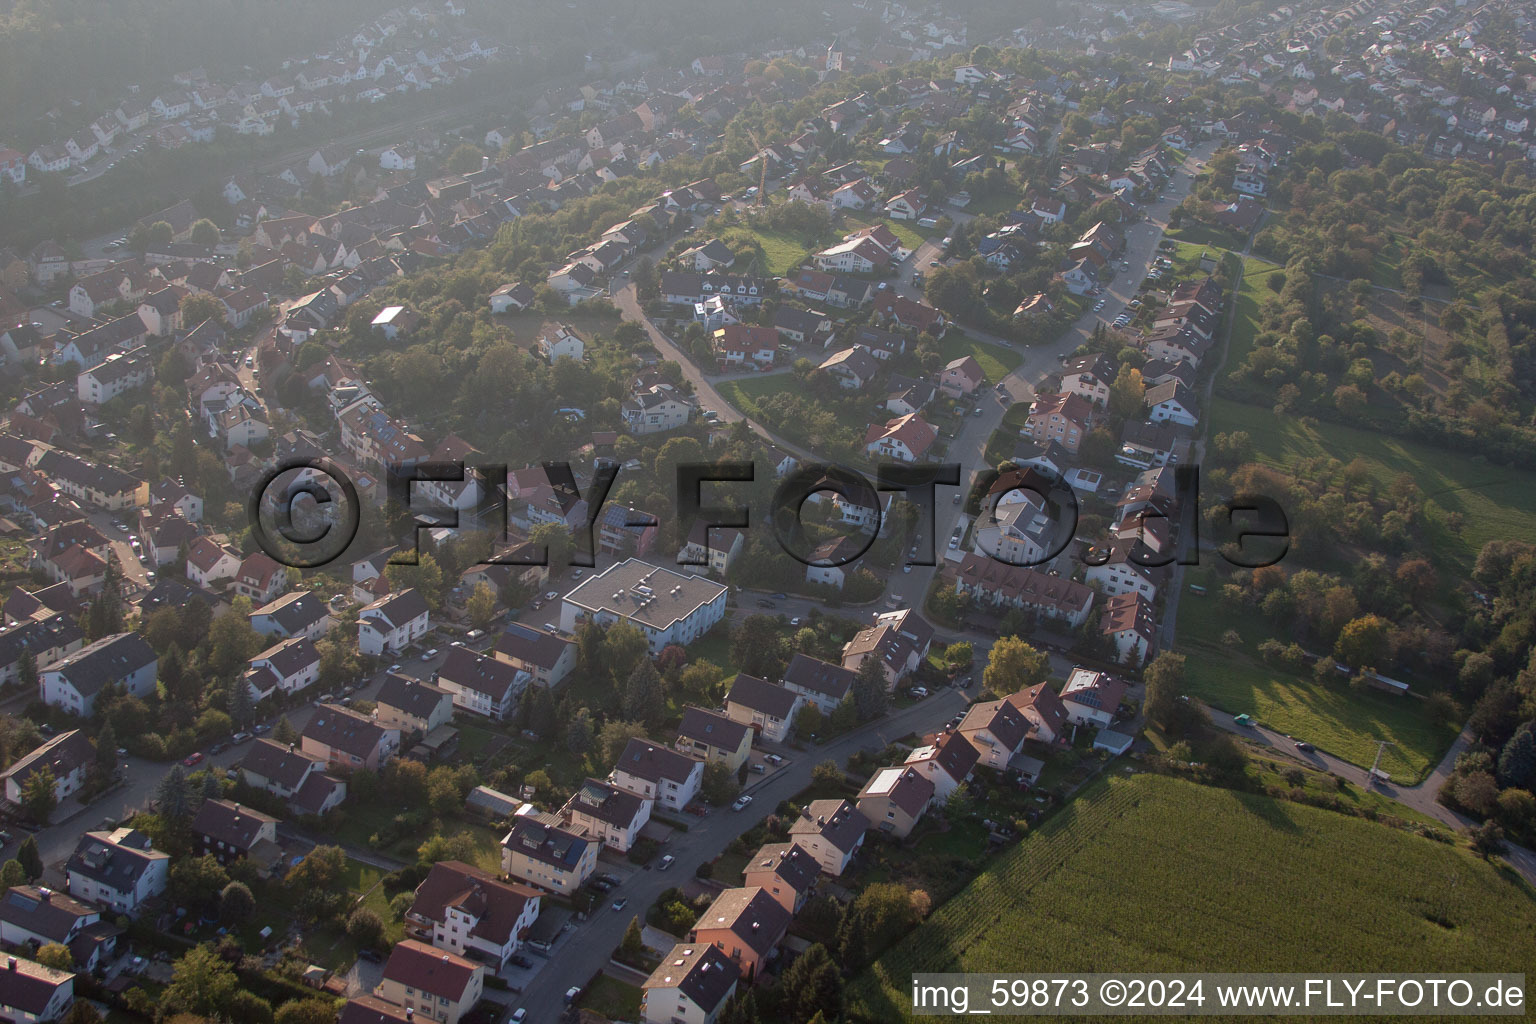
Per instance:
{"type": "Point", "coordinates": [1150, 873]}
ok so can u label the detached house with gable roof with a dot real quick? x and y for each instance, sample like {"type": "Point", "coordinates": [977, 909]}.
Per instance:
{"type": "Point", "coordinates": [472, 913]}
{"type": "Point", "coordinates": [691, 985]}
{"type": "Point", "coordinates": [343, 737]}
{"type": "Point", "coordinates": [392, 623]}
{"type": "Point", "coordinates": [832, 831]}
{"type": "Point", "coordinates": [486, 686]}
{"type": "Point", "coordinates": [124, 659]}
{"type": "Point", "coordinates": [540, 851]}
{"type": "Point", "coordinates": [654, 772]}
{"type": "Point", "coordinates": [119, 869]}
{"type": "Point", "coordinates": [603, 811]}
{"type": "Point", "coordinates": [767, 708]}
{"type": "Point", "coordinates": [714, 737]}
{"type": "Point", "coordinates": [895, 799]}
{"type": "Point", "coordinates": [432, 984]}
{"type": "Point", "coordinates": [744, 924]}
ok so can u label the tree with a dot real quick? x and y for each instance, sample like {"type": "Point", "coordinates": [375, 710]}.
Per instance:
{"type": "Point", "coordinates": [1363, 642]}
{"type": "Point", "coordinates": [1478, 792]}
{"type": "Point", "coordinates": [633, 943]}
{"type": "Point", "coordinates": [481, 606]}
{"type": "Point", "coordinates": [464, 159]}
{"type": "Point", "coordinates": [615, 736]}
{"type": "Point", "coordinates": [869, 692]}
{"type": "Point", "coordinates": [38, 794]}
{"type": "Point", "coordinates": [12, 873]}
{"type": "Point", "coordinates": [826, 773]}
{"type": "Point", "coordinates": [306, 1011]}
{"type": "Point", "coordinates": [1014, 665]}
{"type": "Point", "coordinates": [1517, 761]}
{"type": "Point", "coordinates": [231, 639]}
{"type": "Point", "coordinates": [197, 308]}
{"type": "Point", "coordinates": [82, 1012]}
{"type": "Point", "coordinates": [202, 983]}
{"type": "Point", "coordinates": [284, 732]}
{"type": "Point", "coordinates": [161, 235]}
{"type": "Point", "coordinates": [808, 721]}
{"type": "Point", "coordinates": [1164, 680]}
{"type": "Point", "coordinates": [199, 881]}
{"type": "Point", "coordinates": [1488, 840]}
{"type": "Point", "coordinates": [30, 858]}
{"type": "Point", "coordinates": [106, 750]}
{"type": "Point", "coordinates": [364, 927]}
{"type": "Point", "coordinates": [57, 956]}
{"type": "Point", "coordinates": [719, 786]}
{"type": "Point", "coordinates": [173, 797]}
{"type": "Point", "coordinates": [205, 232]}
{"type": "Point", "coordinates": [26, 667]}
{"type": "Point", "coordinates": [236, 904]}
{"type": "Point", "coordinates": [579, 734]}
{"type": "Point", "coordinates": [878, 916]}
{"type": "Point", "coordinates": [756, 647]}
{"type": "Point", "coordinates": [813, 986]}
{"type": "Point", "coordinates": [1127, 394]}
{"type": "Point", "coordinates": [644, 698]}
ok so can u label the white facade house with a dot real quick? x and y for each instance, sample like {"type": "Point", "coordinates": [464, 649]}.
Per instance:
{"type": "Point", "coordinates": [657, 773]}
{"type": "Point", "coordinates": [392, 623]}
{"type": "Point", "coordinates": [125, 659]}
{"type": "Point", "coordinates": [119, 869]}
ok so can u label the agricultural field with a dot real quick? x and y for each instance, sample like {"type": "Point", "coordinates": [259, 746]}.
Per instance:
{"type": "Point", "coordinates": [1151, 873]}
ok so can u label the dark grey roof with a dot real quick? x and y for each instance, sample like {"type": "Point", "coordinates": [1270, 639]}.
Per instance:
{"type": "Point", "coordinates": [63, 754]}
{"type": "Point", "coordinates": [335, 726]}
{"type": "Point", "coordinates": [108, 660]}
{"type": "Point", "coordinates": [230, 823]}
{"type": "Point", "coordinates": [463, 667]}
{"type": "Point", "coordinates": [114, 859]}
{"type": "Point", "coordinates": [277, 763]}
{"type": "Point", "coordinates": [654, 762]}
{"type": "Point", "coordinates": [52, 915]}
{"type": "Point", "coordinates": [700, 971]}
{"type": "Point", "coordinates": [410, 696]}
{"type": "Point", "coordinates": [761, 695]}
{"type": "Point", "coordinates": [819, 676]}
{"type": "Point", "coordinates": [294, 612]}
{"type": "Point", "coordinates": [534, 646]}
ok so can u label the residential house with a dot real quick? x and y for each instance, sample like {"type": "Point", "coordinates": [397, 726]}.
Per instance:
{"type": "Point", "coordinates": [1092, 698]}
{"type": "Point", "coordinates": [392, 623]}
{"type": "Point", "coordinates": [946, 762]}
{"type": "Point", "coordinates": [344, 738]}
{"type": "Point", "coordinates": [209, 562]}
{"type": "Point", "coordinates": [744, 924]}
{"type": "Point", "coordinates": [69, 756]}
{"type": "Point", "coordinates": [472, 913]}
{"type": "Point", "coordinates": [299, 613]}
{"type": "Point", "coordinates": [539, 850]}
{"type": "Point", "coordinates": [655, 409]}
{"type": "Point", "coordinates": [229, 832]}
{"type": "Point", "coordinates": [832, 831]}
{"type": "Point", "coordinates": [649, 770]}
{"type": "Point", "coordinates": [31, 993]}
{"type": "Point", "coordinates": [785, 871]}
{"type": "Point", "coordinates": [1063, 417]}
{"type": "Point", "coordinates": [261, 578]}
{"type": "Point", "coordinates": [996, 729]}
{"type": "Point", "coordinates": [895, 799]}
{"type": "Point", "coordinates": [996, 585]}
{"type": "Point", "coordinates": [286, 667]}
{"type": "Point", "coordinates": [35, 916]}
{"type": "Point", "coordinates": [607, 813]}
{"type": "Point", "coordinates": [122, 659]}
{"type": "Point", "coordinates": [430, 983]}
{"type": "Point", "coordinates": [691, 985]}
{"type": "Point", "coordinates": [411, 705]}
{"type": "Point", "coordinates": [820, 683]}
{"type": "Point", "coordinates": [547, 658]}
{"type": "Point", "coordinates": [120, 869]}
{"type": "Point", "coordinates": [905, 438]}
{"type": "Point", "coordinates": [714, 737]}
{"type": "Point", "coordinates": [767, 708]}
{"type": "Point", "coordinates": [1128, 623]}
{"type": "Point", "coordinates": [485, 686]}
{"type": "Point", "coordinates": [294, 776]}
{"type": "Point", "coordinates": [1047, 715]}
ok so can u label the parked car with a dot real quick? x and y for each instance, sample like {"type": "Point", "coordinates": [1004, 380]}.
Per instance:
{"type": "Point", "coordinates": [919, 691]}
{"type": "Point", "coordinates": [666, 862]}
{"type": "Point", "coordinates": [620, 903]}
{"type": "Point", "coordinates": [1244, 720]}
{"type": "Point", "coordinates": [773, 759]}
{"type": "Point", "coordinates": [742, 802]}
{"type": "Point", "coordinates": [194, 758]}
{"type": "Point", "coordinates": [759, 769]}
{"type": "Point", "coordinates": [429, 654]}
{"type": "Point", "coordinates": [795, 621]}
{"type": "Point", "coordinates": [1304, 746]}
{"type": "Point", "coordinates": [243, 737]}
{"type": "Point", "coordinates": [518, 1016]}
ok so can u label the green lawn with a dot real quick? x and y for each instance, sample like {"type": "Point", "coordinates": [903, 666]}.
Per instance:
{"type": "Point", "coordinates": [612, 998]}
{"type": "Point", "coordinates": [996, 362]}
{"type": "Point", "coordinates": [1256, 275]}
{"type": "Point", "coordinates": [744, 393]}
{"type": "Point", "coordinates": [782, 251]}
{"type": "Point", "coordinates": [1155, 874]}
{"type": "Point", "coordinates": [1494, 501]}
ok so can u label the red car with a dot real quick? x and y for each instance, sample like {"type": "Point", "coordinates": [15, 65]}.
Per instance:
{"type": "Point", "coordinates": [193, 758]}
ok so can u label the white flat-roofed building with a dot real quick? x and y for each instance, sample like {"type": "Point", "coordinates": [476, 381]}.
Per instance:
{"type": "Point", "coordinates": [668, 607]}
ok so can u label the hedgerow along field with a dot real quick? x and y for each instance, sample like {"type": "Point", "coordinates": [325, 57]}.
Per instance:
{"type": "Point", "coordinates": [1150, 873]}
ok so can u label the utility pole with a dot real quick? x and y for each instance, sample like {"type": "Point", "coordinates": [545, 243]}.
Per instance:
{"type": "Point", "coordinates": [1370, 780]}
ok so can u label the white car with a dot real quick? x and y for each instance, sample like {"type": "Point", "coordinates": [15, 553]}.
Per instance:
{"type": "Point", "coordinates": [741, 802]}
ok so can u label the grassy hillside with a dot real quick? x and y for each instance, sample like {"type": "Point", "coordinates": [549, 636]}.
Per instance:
{"type": "Point", "coordinates": [1151, 873]}
{"type": "Point", "coordinates": [1494, 501]}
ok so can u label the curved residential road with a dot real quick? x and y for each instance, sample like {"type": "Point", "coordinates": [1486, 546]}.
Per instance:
{"type": "Point", "coordinates": [582, 951]}
{"type": "Point", "coordinates": [629, 305]}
